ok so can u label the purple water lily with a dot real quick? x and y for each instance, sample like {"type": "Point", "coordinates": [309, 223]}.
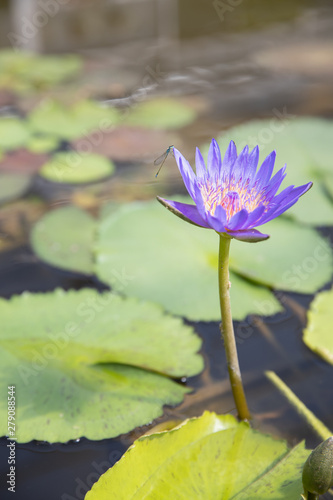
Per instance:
{"type": "Point", "coordinates": [231, 196]}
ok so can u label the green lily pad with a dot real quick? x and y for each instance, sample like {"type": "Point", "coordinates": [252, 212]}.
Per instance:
{"type": "Point", "coordinates": [175, 264]}
{"type": "Point", "coordinates": [43, 144]}
{"type": "Point", "coordinates": [23, 71]}
{"type": "Point", "coordinates": [13, 186]}
{"type": "Point", "coordinates": [318, 333]}
{"type": "Point", "coordinates": [65, 245]}
{"type": "Point", "coordinates": [13, 133]}
{"type": "Point", "coordinates": [161, 113]}
{"type": "Point", "coordinates": [305, 144]}
{"type": "Point", "coordinates": [90, 364]}
{"type": "Point", "coordinates": [70, 123]}
{"type": "Point", "coordinates": [74, 168]}
{"type": "Point", "coordinates": [295, 258]}
{"type": "Point", "coordinates": [205, 458]}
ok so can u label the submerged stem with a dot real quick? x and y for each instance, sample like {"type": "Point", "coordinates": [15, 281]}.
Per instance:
{"type": "Point", "coordinates": [227, 331]}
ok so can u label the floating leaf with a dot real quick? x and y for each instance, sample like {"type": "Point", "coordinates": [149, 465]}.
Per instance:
{"type": "Point", "coordinates": [23, 71]}
{"type": "Point", "coordinates": [318, 333]}
{"type": "Point", "coordinates": [13, 186]}
{"type": "Point", "coordinates": [72, 167]}
{"type": "Point", "coordinates": [54, 118]}
{"type": "Point", "coordinates": [90, 364]}
{"type": "Point", "coordinates": [43, 144]}
{"type": "Point", "coordinates": [184, 260]}
{"type": "Point", "coordinates": [175, 264]}
{"type": "Point", "coordinates": [206, 458]}
{"type": "Point", "coordinates": [161, 113]}
{"type": "Point", "coordinates": [295, 258]}
{"type": "Point", "coordinates": [13, 133]}
{"type": "Point", "coordinates": [187, 269]}
{"type": "Point", "coordinates": [305, 144]}
{"type": "Point", "coordinates": [66, 245]}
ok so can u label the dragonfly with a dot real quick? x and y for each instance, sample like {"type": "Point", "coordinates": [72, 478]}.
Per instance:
{"type": "Point", "coordinates": [161, 159]}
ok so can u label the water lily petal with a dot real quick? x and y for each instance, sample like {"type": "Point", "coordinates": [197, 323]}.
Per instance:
{"type": "Point", "coordinates": [288, 202]}
{"type": "Point", "coordinates": [229, 158]}
{"type": "Point", "coordinates": [217, 221]}
{"type": "Point", "coordinates": [255, 216]}
{"type": "Point", "coordinates": [200, 166]}
{"type": "Point", "coordinates": [238, 168]}
{"type": "Point", "coordinates": [275, 183]}
{"type": "Point", "coordinates": [252, 164]}
{"type": "Point", "coordinates": [189, 213]}
{"type": "Point", "coordinates": [186, 171]}
{"type": "Point", "coordinates": [238, 220]}
{"type": "Point", "coordinates": [197, 198]}
{"type": "Point", "coordinates": [214, 159]}
{"type": "Point", "coordinates": [265, 171]}
{"type": "Point", "coordinates": [249, 235]}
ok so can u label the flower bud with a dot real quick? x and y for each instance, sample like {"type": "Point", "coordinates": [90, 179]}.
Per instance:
{"type": "Point", "coordinates": [318, 469]}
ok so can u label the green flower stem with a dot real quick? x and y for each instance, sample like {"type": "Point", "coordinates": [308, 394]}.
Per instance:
{"type": "Point", "coordinates": [311, 496]}
{"type": "Point", "coordinates": [227, 331]}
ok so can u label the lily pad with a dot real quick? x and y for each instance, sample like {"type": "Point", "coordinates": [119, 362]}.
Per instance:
{"type": "Point", "coordinates": [71, 248]}
{"type": "Point", "coordinates": [14, 133]}
{"type": "Point", "coordinates": [295, 258]}
{"type": "Point", "coordinates": [23, 71]}
{"type": "Point", "coordinates": [56, 119]}
{"type": "Point", "coordinates": [318, 333]}
{"type": "Point", "coordinates": [205, 458]}
{"type": "Point", "coordinates": [13, 186]}
{"type": "Point", "coordinates": [305, 145]}
{"type": "Point", "coordinates": [74, 168]}
{"type": "Point", "coordinates": [161, 113]}
{"type": "Point", "coordinates": [175, 264]}
{"type": "Point", "coordinates": [90, 364]}
{"type": "Point", "coordinates": [43, 144]}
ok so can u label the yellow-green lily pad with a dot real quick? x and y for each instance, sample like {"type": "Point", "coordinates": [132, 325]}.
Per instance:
{"type": "Point", "coordinates": [77, 121]}
{"type": "Point", "coordinates": [205, 458]}
{"type": "Point", "coordinates": [43, 143]}
{"type": "Point", "coordinates": [294, 258]}
{"type": "Point", "coordinates": [74, 168]}
{"type": "Point", "coordinates": [318, 333]}
{"type": "Point", "coordinates": [175, 264]}
{"type": "Point", "coordinates": [161, 113]}
{"type": "Point", "coordinates": [14, 133]}
{"type": "Point", "coordinates": [66, 245]}
{"type": "Point", "coordinates": [13, 186]}
{"type": "Point", "coordinates": [23, 71]}
{"type": "Point", "coordinates": [90, 364]}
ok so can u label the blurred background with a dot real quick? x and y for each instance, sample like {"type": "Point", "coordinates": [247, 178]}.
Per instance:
{"type": "Point", "coordinates": [245, 56]}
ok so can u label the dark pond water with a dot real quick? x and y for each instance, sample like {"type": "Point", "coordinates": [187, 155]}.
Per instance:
{"type": "Point", "coordinates": [234, 68]}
